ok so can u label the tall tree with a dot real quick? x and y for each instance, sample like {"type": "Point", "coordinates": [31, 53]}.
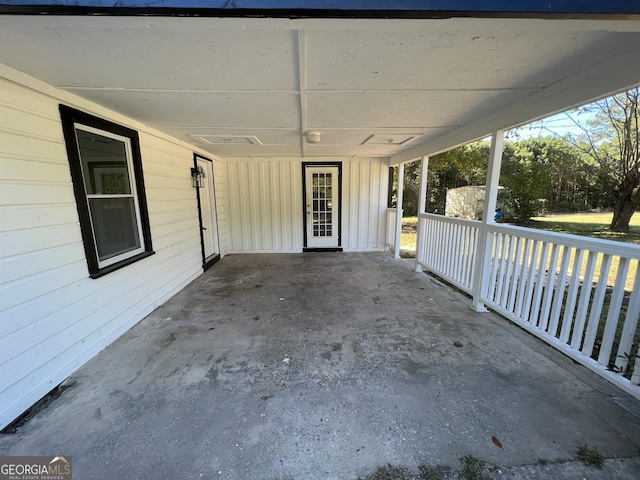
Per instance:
{"type": "Point", "coordinates": [612, 139]}
{"type": "Point", "coordinates": [564, 178]}
{"type": "Point", "coordinates": [526, 176]}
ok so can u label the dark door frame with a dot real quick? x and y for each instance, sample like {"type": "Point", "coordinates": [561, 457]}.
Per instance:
{"type": "Point", "coordinates": [207, 262]}
{"type": "Point", "coordinates": [304, 206]}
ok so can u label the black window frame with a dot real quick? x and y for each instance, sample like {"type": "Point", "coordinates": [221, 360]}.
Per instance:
{"type": "Point", "coordinates": [70, 117]}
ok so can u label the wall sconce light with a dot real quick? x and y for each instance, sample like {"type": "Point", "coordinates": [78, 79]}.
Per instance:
{"type": "Point", "coordinates": [197, 177]}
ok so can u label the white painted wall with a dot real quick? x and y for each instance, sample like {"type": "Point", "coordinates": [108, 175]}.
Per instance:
{"type": "Point", "coordinates": [219, 175]}
{"type": "Point", "coordinates": [264, 204]}
{"type": "Point", "coordinates": [364, 204]}
{"type": "Point", "coordinates": [53, 317]}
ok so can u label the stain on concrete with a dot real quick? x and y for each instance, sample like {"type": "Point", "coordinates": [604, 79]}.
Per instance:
{"type": "Point", "coordinates": [212, 374]}
{"type": "Point", "coordinates": [167, 340]}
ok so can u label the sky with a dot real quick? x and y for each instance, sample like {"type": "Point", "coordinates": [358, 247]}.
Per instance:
{"type": "Point", "coordinates": [556, 125]}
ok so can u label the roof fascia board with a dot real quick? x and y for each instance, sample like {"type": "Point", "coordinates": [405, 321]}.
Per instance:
{"type": "Point", "coordinates": [622, 9]}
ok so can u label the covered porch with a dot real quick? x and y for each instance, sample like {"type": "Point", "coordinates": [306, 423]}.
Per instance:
{"type": "Point", "coordinates": [580, 295]}
{"type": "Point", "coordinates": [328, 365]}
{"type": "Point", "coordinates": [224, 123]}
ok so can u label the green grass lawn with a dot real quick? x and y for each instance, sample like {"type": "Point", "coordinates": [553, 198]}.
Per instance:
{"type": "Point", "coordinates": [594, 225]}
{"type": "Point", "coordinates": [408, 236]}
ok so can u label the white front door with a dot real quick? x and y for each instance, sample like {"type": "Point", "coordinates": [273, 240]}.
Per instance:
{"type": "Point", "coordinates": [322, 206]}
{"type": "Point", "coordinates": [208, 209]}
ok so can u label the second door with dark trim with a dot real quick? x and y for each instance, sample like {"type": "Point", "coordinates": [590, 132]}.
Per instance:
{"type": "Point", "coordinates": [322, 206]}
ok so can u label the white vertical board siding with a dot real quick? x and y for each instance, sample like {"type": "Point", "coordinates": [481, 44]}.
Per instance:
{"type": "Point", "coordinates": [264, 205]}
{"type": "Point", "coordinates": [219, 174]}
{"type": "Point", "coordinates": [53, 317]}
{"type": "Point", "coordinates": [364, 204]}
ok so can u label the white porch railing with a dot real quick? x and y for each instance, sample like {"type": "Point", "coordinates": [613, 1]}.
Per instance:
{"type": "Point", "coordinates": [449, 248]}
{"type": "Point", "coordinates": [558, 287]}
{"type": "Point", "coordinates": [391, 227]}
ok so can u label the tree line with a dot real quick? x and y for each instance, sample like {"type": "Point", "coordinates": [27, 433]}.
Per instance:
{"type": "Point", "coordinates": [596, 169]}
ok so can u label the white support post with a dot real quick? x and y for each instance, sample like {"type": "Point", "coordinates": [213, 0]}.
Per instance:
{"type": "Point", "coordinates": [483, 252]}
{"type": "Point", "coordinates": [399, 210]}
{"type": "Point", "coordinates": [422, 203]}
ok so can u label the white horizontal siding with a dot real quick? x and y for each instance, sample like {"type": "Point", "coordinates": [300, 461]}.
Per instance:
{"type": "Point", "coordinates": [264, 205]}
{"type": "Point", "coordinates": [53, 317]}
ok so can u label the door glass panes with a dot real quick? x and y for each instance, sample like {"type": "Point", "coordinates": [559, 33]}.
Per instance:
{"type": "Point", "coordinates": [322, 203]}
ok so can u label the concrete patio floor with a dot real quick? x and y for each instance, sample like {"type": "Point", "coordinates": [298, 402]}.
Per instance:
{"type": "Point", "coordinates": [325, 366]}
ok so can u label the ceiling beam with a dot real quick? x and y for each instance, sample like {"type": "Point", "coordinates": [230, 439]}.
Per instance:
{"type": "Point", "coordinates": [302, 86]}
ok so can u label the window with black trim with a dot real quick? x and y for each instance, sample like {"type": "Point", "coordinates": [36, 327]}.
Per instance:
{"type": "Point", "coordinates": [106, 168]}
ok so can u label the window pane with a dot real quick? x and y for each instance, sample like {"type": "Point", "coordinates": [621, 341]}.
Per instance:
{"type": "Point", "coordinates": [115, 226]}
{"type": "Point", "coordinates": [104, 164]}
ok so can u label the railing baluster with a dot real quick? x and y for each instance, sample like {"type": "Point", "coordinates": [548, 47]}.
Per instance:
{"type": "Point", "coordinates": [465, 258]}
{"type": "Point", "coordinates": [455, 253]}
{"type": "Point", "coordinates": [425, 235]}
{"type": "Point", "coordinates": [624, 354]}
{"type": "Point", "coordinates": [429, 241]}
{"type": "Point", "coordinates": [473, 246]}
{"type": "Point", "coordinates": [444, 241]}
{"type": "Point", "coordinates": [531, 280]}
{"type": "Point", "coordinates": [502, 267]}
{"type": "Point", "coordinates": [596, 306]}
{"type": "Point", "coordinates": [613, 315]}
{"type": "Point", "coordinates": [516, 282]}
{"type": "Point", "coordinates": [572, 293]}
{"type": "Point", "coordinates": [508, 273]}
{"type": "Point", "coordinates": [391, 222]}
{"type": "Point", "coordinates": [523, 285]}
{"type": "Point", "coordinates": [558, 298]}
{"type": "Point", "coordinates": [439, 254]}
{"type": "Point", "coordinates": [495, 265]}
{"type": "Point", "coordinates": [460, 254]}
{"type": "Point", "coordinates": [433, 243]}
{"type": "Point", "coordinates": [451, 240]}
{"type": "Point", "coordinates": [473, 251]}
{"type": "Point", "coordinates": [583, 303]}
{"type": "Point", "coordinates": [549, 287]}
{"type": "Point", "coordinates": [541, 278]}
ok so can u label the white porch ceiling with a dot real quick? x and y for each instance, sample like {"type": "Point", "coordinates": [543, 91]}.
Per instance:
{"type": "Point", "coordinates": [256, 85]}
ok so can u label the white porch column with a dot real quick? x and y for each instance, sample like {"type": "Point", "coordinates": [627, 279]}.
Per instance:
{"type": "Point", "coordinates": [422, 201]}
{"type": "Point", "coordinates": [399, 210]}
{"type": "Point", "coordinates": [485, 245]}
